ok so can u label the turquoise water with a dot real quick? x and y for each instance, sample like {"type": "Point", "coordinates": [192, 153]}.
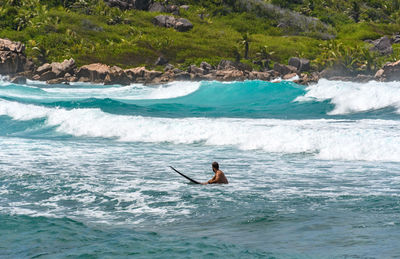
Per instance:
{"type": "Point", "coordinates": [313, 171]}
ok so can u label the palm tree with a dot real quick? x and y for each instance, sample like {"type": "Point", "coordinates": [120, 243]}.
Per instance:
{"type": "Point", "coordinates": [264, 56]}
{"type": "Point", "coordinates": [236, 53]}
{"type": "Point", "coordinates": [246, 42]}
{"type": "Point", "coordinates": [355, 11]}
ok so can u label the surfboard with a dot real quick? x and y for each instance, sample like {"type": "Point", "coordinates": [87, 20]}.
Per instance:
{"type": "Point", "coordinates": [187, 177]}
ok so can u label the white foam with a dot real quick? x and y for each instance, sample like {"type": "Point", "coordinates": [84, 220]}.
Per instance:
{"type": "Point", "coordinates": [373, 140]}
{"type": "Point", "coordinates": [173, 90]}
{"type": "Point", "coordinates": [349, 97]}
{"type": "Point", "coordinates": [294, 78]}
{"type": "Point", "coordinates": [277, 80]}
{"type": "Point", "coordinates": [131, 92]}
{"type": "Point", "coordinates": [4, 80]}
{"type": "Point", "coordinates": [22, 112]}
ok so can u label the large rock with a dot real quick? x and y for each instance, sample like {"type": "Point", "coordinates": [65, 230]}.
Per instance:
{"type": "Point", "coordinates": [379, 73]}
{"type": "Point", "coordinates": [168, 67]}
{"type": "Point", "coordinates": [383, 46]}
{"type": "Point", "coordinates": [207, 68]}
{"type": "Point", "coordinates": [46, 76]}
{"type": "Point", "coordinates": [164, 21]}
{"type": "Point", "coordinates": [396, 39]}
{"type": "Point", "coordinates": [364, 78]}
{"type": "Point", "coordinates": [161, 8]}
{"type": "Point", "coordinates": [123, 5]}
{"type": "Point", "coordinates": [11, 62]}
{"type": "Point", "coordinates": [14, 46]}
{"type": "Point", "coordinates": [116, 76]}
{"type": "Point", "coordinates": [157, 7]}
{"type": "Point", "coordinates": [182, 76]}
{"type": "Point", "coordinates": [141, 4]}
{"type": "Point", "coordinates": [57, 81]}
{"type": "Point", "coordinates": [180, 24]}
{"type": "Point", "coordinates": [301, 64]}
{"type": "Point", "coordinates": [183, 25]}
{"type": "Point", "coordinates": [161, 80]}
{"type": "Point", "coordinates": [289, 76]}
{"type": "Point", "coordinates": [136, 74]}
{"type": "Point", "coordinates": [226, 64]}
{"type": "Point", "coordinates": [264, 76]}
{"type": "Point", "coordinates": [129, 4]}
{"type": "Point", "coordinates": [142, 75]}
{"type": "Point", "coordinates": [336, 71]}
{"type": "Point", "coordinates": [193, 69]}
{"type": "Point", "coordinates": [55, 70]}
{"type": "Point", "coordinates": [18, 80]}
{"type": "Point", "coordinates": [29, 65]}
{"type": "Point", "coordinates": [150, 75]}
{"type": "Point", "coordinates": [230, 75]}
{"type": "Point", "coordinates": [389, 72]}
{"type": "Point", "coordinates": [95, 73]}
{"type": "Point", "coordinates": [43, 69]}
{"type": "Point", "coordinates": [174, 9]}
{"type": "Point", "coordinates": [230, 65]}
{"type": "Point", "coordinates": [12, 57]}
{"type": "Point", "coordinates": [284, 69]}
{"type": "Point", "coordinates": [67, 66]}
{"type": "Point", "coordinates": [161, 61]}
{"type": "Point", "coordinates": [306, 79]}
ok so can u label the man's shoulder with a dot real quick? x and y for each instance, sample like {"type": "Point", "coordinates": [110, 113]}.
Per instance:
{"type": "Point", "coordinates": [221, 176]}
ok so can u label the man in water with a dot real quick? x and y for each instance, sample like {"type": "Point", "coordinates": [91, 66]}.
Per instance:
{"type": "Point", "coordinates": [219, 176]}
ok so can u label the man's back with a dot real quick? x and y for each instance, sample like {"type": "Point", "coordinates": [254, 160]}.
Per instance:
{"type": "Point", "coordinates": [219, 177]}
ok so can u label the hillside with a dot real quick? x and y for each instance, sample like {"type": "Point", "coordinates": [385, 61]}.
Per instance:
{"type": "Point", "coordinates": [326, 32]}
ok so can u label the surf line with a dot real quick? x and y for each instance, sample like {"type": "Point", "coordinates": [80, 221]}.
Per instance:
{"type": "Point", "coordinates": [187, 177]}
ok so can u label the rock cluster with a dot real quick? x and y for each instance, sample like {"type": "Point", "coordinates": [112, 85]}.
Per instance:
{"type": "Point", "coordinates": [147, 5]}
{"type": "Point", "coordinates": [340, 73]}
{"type": "Point", "coordinates": [129, 4]}
{"type": "Point", "coordinates": [55, 71]}
{"type": "Point", "coordinates": [66, 72]}
{"type": "Point", "coordinates": [382, 45]}
{"type": "Point", "coordinates": [301, 64]}
{"type": "Point", "coordinates": [162, 8]}
{"type": "Point", "coordinates": [12, 57]}
{"type": "Point", "coordinates": [14, 62]}
{"type": "Point", "coordinates": [389, 72]}
{"type": "Point", "coordinates": [179, 24]}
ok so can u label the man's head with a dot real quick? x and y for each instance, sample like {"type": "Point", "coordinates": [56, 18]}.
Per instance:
{"type": "Point", "coordinates": [215, 166]}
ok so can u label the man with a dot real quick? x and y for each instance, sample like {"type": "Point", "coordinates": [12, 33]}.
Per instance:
{"type": "Point", "coordinates": [219, 176]}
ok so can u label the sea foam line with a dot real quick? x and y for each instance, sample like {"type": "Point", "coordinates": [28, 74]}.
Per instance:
{"type": "Point", "coordinates": [130, 92]}
{"type": "Point", "coordinates": [373, 140]}
{"type": "Point", "coordinates": [350, 97]}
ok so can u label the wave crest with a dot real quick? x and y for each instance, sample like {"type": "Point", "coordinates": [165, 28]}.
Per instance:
{"type": "Point", "coordinates": [350, 98]}
{"type": "Point", "coordinates": [374, 140]}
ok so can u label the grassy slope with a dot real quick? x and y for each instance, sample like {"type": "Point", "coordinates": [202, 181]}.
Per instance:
{"type": "Point", "coordinates": [55, 33]}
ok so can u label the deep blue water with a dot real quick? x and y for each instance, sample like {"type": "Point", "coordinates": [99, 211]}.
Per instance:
{"type": "Point", "coordinates": [313, 171]}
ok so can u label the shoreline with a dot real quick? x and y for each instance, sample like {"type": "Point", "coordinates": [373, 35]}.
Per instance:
{"type": "Point", "coordinates": [66, 72]}
{"type": "Point", "coordinates": [19, 68]}
{"type": "Point", "coordinates": [217, 75]}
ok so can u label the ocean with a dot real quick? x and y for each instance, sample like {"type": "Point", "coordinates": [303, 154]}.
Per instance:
{"type": "Point", "coordinates": [314, 171]}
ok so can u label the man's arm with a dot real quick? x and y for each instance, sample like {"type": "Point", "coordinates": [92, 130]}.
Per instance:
{"type": "Point", "coordinates": [210, 181]}
{"type": "Point", "coordinates": [216, 178]}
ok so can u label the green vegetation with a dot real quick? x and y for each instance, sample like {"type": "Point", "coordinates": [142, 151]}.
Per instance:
{"type": "Point", "coordinates": [90, 31]}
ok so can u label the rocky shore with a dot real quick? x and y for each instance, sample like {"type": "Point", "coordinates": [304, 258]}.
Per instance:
{"type": "Point", "coordinates": [19, 68]}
